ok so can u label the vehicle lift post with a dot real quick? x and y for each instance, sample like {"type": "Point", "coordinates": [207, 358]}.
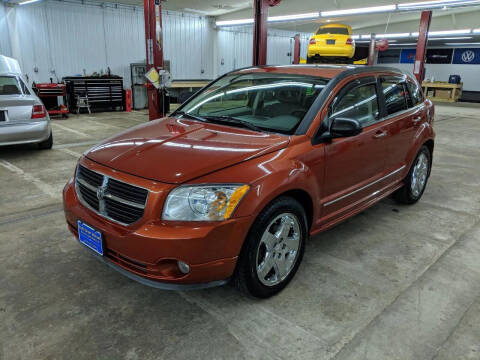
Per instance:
{"type": "Point", "coordinates": [260, 30]}
{"type": "Point", "coordinates": [371, 50]}
{"type": "Point", "coordinates": [154, 48]}
{"type": "Point", "coordinates": [296, 49]}
{"type": "Point", "coordinates": [421, 53]}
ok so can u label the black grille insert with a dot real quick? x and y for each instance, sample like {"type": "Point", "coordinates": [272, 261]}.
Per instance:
{"type": "Point", "coordinates": [109, 197]}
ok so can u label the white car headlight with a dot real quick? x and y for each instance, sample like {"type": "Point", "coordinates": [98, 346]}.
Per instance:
{"type": "Point", "coordinates": [203, 202]}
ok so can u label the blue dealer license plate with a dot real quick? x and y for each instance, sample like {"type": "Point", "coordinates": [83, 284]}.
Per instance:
{"type": "Point", "coordinates": [90, 237]}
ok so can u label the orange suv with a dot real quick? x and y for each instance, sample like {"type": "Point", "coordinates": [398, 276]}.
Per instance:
{"type": "Point", "coordinates": [233, 183]}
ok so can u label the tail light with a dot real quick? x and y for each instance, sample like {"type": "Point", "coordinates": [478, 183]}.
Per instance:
{"type": "Point", "coordinates": [38, 112]}
{"type": "Point", "coordinates": [312, 42]}
{"type": "Point", "coordinates": [349, 41]}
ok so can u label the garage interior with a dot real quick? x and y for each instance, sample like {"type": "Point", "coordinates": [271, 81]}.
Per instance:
{"type": "Point", "coordinates": [394, 282]}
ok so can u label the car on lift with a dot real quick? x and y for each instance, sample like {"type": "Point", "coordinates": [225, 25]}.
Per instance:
{"type": "Point", "coordinates": [234, 182]}
{"type": "Point", "coordinates": [23, 117]}
{"type": "Point", "coordinates": [331, 43]}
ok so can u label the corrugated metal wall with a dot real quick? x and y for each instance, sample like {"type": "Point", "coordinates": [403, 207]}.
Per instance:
{"type": "Point", "coordinates": [5, 48]}
{"type": "Point", "coordinates": [60, 39]}
{"type": "Point", "coordinates": [235, 47]}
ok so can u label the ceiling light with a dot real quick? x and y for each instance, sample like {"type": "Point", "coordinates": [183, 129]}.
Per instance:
{"type": "Point", "coordinates": [450, 32]}
{"type": "Point", "coordinates": [313, 15]}
{"type": "Point", "coordinates": [437, 4]}
{"type": "Point", "coordinates": [392, 36]}
{"type": "Point", "coordinates": [365, 10]}
{"type": "Point", "coordinates": [368, 36]}
{"type": "Point", "coordinates": [463, 43]}
{"type": "Point", "coordinates": [27, 2]}
{"type": "Point", "coordinates": [355, 37]}
{"type": "Point", "coordinates": [405, 44]}
{"type": "Point", "coordinates": [452, 38]}
{"type": "Point", "coordinates": [234, 22]}
{"type": "Point", "coordinates": [476, 31]}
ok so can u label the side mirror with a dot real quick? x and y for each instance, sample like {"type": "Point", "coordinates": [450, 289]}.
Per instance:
{"type": "Point", "coordinates": [343, 127]}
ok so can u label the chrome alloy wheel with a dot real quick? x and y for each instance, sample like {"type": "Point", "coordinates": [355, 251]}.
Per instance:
{"type": "Point", "coordinates": [278, 249]}
{"type": "Point", "coordinates": [419, 175]}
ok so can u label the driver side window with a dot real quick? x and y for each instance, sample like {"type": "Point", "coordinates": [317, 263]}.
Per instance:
{"type": "Point", "coordinates": [359, 103]}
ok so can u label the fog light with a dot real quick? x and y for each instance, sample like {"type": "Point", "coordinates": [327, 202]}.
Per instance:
{"type": "Point", "coordinates": [184, 268]}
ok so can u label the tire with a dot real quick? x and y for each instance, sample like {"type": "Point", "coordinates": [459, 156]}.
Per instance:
{"type": "Point", "coordinates": [46, 144]}
{"type": "Point", "coordinates": [309, 60]}
{"type": "Point", "coordinates": [413, 190]}
{"type": "Point", "coordinates": [264, 270]}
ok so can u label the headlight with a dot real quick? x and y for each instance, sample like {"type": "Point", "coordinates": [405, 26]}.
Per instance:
{"type": "Point", "coordinates": [203, 202]}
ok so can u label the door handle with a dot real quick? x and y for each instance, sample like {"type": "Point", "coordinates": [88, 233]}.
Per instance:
{"type": "Point", "coordinates": [417, 120]}
{"type": "Point", "coordinates": [380, 134]}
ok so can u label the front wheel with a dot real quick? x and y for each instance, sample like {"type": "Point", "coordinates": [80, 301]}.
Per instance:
{"type": "Point", "coordinates": [417, 178]}
{"type": "Point", "coordinates": [273, 249]}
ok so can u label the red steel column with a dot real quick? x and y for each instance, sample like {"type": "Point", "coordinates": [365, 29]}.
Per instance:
{"type": "Point", "coordinates": [260, 28]}
{"type": "Point", "coordinates": [296, 50]}
{"type": "Point", "coordinates": [371, 50]}
{"type": "Point", "coordinates": [154, 47]}
{"type": "Point", "coordinates": [421, 54]}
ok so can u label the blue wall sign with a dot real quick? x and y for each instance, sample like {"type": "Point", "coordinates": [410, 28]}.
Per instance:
{"type": "Point", "coordinates": [407, 56]}
{"type": "Point", "coordinates": [466, 56]}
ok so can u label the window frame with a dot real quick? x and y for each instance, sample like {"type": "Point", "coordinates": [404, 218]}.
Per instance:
{"type": "Point", "coordinates": [353, 84]}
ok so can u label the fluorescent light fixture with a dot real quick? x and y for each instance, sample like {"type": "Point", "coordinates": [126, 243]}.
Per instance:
{"type": "Point", "coordinates": [476, 31]}
{"type": "Point", "coordinates": [450, 32]}
{"type": "Point", "coordinates": [368, 36]}
{"type": "Point", "coordinates": [293, 17]}
{"type": "Point", "coordinates": [404, 44]}
{"type": "Point", "coordinates": [365, 10]}
{"type": "Point", "coordinates": [462, 43]}
{"type": "Point", "coordinates": [234, 22]}
{"type": "Point", "coordinates": [313, 15]}
{"type": "Point", "coordinates": [27, 2]}
{"type": "Point", "coordinates": [355, 37]}
{"type": "Point", "coordinates": [414, 34]}
{"type": "Point", "coordinates": [452, 38]}
{"type": "Point", "coordinates": [392, 36]}
{"type": "Point", "coordinates": [437, 4]}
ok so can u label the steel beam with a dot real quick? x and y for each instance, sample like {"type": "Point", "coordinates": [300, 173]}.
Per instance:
{"type": "Point", "coordinates": [421, 53]}
{"type": "Point", "coordinates": [154, 48]}
{"type": "Point", "coordinates": [296, 50]}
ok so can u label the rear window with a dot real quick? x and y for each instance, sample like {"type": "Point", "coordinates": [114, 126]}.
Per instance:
{"type": "Point", "coordinates": [9, 86]}
{"type": "Point", "coordinates": [332, 30]}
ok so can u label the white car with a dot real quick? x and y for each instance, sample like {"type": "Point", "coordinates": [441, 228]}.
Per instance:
{"type": "Point", "coordinates": [23, 117]}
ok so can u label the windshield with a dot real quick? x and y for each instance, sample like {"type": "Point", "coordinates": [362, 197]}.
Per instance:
{"type": "Point", "coordinates": [9, 86]}
{"type": "Point", "coordinates": [271, 102]}
{"type": "Point", "coordinates": [332, 30]}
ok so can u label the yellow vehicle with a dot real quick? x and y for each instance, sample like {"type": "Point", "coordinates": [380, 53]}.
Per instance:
{"type": "Point", "coordinates": [331, 42]}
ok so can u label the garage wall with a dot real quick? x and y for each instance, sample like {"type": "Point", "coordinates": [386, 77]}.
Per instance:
{"type": "Point", "coordinates": [5, 48]}
{"type": "Point", "coordinates": [60, 39]}
{"type": "Point", "coordinates": [235, 47]}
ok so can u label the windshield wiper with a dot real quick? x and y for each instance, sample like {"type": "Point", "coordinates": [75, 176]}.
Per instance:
{"type": "Point", "coordinates": [191, 116]}
{"type": "Point", "coordinates": [232, 120]}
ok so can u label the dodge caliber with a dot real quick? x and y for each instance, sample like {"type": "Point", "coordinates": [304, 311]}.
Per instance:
{"type": "Point", "coordinates": [233, 183]}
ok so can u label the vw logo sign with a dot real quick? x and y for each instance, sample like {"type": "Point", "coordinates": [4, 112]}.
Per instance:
{"type": "Point", "coordinates": [468, 56]}
{"type": "Point", "coordinates": [101, 192]}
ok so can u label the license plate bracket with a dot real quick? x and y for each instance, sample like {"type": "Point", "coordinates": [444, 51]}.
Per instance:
{"type": "Point", "coordinates": [90, 237]}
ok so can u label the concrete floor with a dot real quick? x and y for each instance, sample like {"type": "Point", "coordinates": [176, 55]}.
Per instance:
{"type": "Point", "coordinates": [395, 282]}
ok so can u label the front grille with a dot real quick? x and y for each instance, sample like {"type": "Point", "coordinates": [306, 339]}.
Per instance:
{"type": "Point", "coordinates": [111, 198]}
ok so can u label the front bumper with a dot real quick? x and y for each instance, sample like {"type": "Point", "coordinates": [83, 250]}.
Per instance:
{"type": "Point", "coordinates": [148, 250]}
{"type": "Point", "coordinates": [12, 133]}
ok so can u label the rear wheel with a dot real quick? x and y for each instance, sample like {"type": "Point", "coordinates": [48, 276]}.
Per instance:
{"type": "Point", "coordinates": [417, 178]}
{"type": "Point", "coordinates": [46, 144]}
{"type": "Point", "coordinates": [273, 249]}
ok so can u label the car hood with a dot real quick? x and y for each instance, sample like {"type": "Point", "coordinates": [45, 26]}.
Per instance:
{"type": "Point", "coordinates": [175, 150]}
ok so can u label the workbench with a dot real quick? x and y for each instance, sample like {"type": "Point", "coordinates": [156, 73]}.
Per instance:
{"type": "Point", "coordinates": [442, 91]}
